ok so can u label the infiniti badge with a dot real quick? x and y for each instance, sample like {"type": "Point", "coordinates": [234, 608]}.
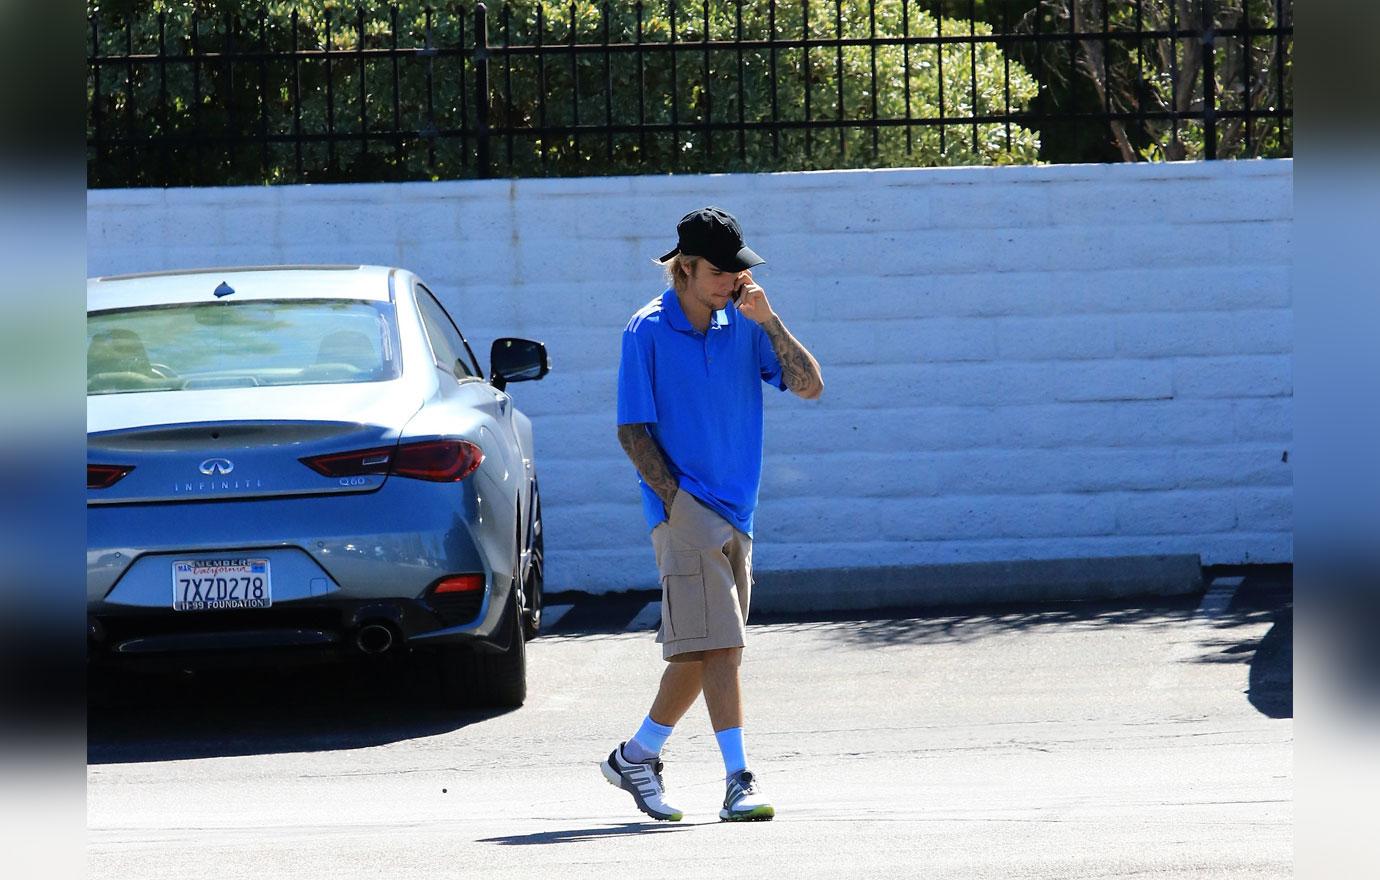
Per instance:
{"type": "Point", "coordinates": [213, 466]}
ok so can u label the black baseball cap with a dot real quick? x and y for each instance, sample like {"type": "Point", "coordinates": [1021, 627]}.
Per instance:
{"type": "Point", "coordinates": [714, 234]}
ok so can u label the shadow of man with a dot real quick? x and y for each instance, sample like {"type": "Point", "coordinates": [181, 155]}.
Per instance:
{"type": "Point", "coordinates": [576, 835]}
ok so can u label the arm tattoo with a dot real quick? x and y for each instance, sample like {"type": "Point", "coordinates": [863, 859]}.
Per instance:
{"type": "Point", "coordinates": [798, 366]}
{"type": "Point", "coordinates": [649, 460]}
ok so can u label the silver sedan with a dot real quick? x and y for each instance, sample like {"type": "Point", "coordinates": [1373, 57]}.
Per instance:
{"type": "Point", "coordinates": [308, 460]}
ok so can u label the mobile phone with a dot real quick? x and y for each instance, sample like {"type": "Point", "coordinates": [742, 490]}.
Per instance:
{"type": "Point", "coordinates": [738, 292]}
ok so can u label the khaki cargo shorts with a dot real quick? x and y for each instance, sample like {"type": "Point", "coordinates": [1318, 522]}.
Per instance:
{"type": "Point", "coordinates": [706, 579]}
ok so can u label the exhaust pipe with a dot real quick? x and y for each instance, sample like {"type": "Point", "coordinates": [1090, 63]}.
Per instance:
{"type": "Point", "coordinates": [374, 638]}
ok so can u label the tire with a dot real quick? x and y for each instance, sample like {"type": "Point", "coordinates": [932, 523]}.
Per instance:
{"type": "Point", "coordinates": [488, 680]}
{"type": "Point", "coordinates": [535, 584]}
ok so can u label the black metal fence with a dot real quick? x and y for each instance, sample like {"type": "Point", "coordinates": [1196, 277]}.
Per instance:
{"type": "Point", "coordinates": [539, 88]}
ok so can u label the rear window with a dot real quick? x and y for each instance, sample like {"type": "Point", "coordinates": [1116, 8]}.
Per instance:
{"type": "Point", "coordinates": [240, 344]}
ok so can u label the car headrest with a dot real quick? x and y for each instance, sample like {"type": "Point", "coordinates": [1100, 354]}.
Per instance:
{"type": "Point", "coordinates": [351, 347]}
{"type": "Point", "coordinates": [117, 351]}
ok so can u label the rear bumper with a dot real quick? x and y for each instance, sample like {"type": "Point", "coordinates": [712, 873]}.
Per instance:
{"type": "Point", "coordinates": [331, 628]}
{"type": "Point", "coordinates": [339, 563]}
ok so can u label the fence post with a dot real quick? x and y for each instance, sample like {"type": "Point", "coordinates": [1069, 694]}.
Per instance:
{"type": "Point", "coordinates": [1209, 82]}
{"type": "Point", "coordinates": [481, 89]}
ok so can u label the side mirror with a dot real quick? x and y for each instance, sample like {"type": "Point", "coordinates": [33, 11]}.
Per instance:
{"type": "Point", "coordinates": [516, 360]}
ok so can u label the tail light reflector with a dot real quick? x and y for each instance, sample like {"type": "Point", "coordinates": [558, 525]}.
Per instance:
{"type": "Point", "coordinates": [440, 461]}
{"type": "Point", "coordinates": [103, 476]}
{"type": "Point", "coordinates": [460, 583]}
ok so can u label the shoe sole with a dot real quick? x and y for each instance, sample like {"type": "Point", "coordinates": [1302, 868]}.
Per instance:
{"type": "Point", "coordinates": [757, 814]}
{"type": "Point", "coordinates": [614, 778]}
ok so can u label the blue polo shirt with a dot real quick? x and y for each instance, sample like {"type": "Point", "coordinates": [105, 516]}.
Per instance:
{"type": "Point", "coordinates": [701, 395]}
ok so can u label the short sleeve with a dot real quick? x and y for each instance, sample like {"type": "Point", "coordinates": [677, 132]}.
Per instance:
{"type": "Point", "coordinates": [636, 402]}
{"type": "Point", "coordinates": [767, 362]}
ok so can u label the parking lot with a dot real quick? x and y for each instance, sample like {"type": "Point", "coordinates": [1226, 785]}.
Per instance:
{"type": "Point", "coordinates": [1076, 740]}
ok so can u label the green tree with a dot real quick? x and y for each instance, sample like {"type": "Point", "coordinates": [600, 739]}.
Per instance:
{"type": "Point", "coordinates": [1167, 75]}
{"type": "Point", "coordinates": [194, 121]}
{"type": "Point", "coordinates": [690, 98]}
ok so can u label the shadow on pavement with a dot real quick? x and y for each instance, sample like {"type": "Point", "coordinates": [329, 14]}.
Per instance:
{"type": "Point", "coordinates": [1272, 671]}
{"type": "Point", "coordinates": [1272, 663]}
{"type": "Point", "coordinates": [576, 835]}
{"type": "Point", "coordinates": [962, 624]}
{"type": "Point", "coordinates": [1265, 595]}
{"type": "Point", "coordinates": [169, 714]}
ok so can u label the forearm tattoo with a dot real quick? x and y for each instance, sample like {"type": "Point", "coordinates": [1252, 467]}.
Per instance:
{"type": "Point", "coordinates": [798, 366]}
{"type": "Point", "coordinates": [649, 460]}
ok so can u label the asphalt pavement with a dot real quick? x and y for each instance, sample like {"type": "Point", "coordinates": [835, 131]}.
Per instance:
{"type": "Point", "coordinates": [1112, 739]}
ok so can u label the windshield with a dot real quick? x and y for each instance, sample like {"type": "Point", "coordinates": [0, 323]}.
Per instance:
{"type": "Point", "coordinates": [240, 344]}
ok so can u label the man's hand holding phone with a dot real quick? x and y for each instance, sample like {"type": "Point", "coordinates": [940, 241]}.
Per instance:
{"type": "Point", "coordinates": [752, 299]}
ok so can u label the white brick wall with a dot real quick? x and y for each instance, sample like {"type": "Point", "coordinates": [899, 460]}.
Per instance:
{"type": "Point", "coordinates": [1021, 363]}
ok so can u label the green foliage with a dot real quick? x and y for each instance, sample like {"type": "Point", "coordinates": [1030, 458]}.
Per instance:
{"type": "Point", "coordinates": [704, 86]}
{"type": "Point", "coordinates": [194, 121]}
{"type": "Point", "coordinates": [1159, 75]}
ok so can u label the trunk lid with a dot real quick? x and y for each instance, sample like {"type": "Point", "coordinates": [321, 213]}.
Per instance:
{"type": "Point", "coordinates": [238, 443]}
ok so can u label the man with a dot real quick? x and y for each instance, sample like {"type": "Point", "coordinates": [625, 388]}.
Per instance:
{"type": "Point", "coordinates": [690, 418]}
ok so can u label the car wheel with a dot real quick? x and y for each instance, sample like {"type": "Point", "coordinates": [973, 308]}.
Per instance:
{"type": "Point", "coordinates": [488, 680]}
{"type": "Point", "coordinates": [535, 584]}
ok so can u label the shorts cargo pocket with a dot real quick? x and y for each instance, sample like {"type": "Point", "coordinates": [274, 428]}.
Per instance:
{"type": "Point", "coordinates": [683, 596]}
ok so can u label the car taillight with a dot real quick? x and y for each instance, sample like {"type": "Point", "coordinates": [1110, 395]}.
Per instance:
{"type": "Point", "coordinates": [460, 583]}
{"type": "Point", "coordinates": [440, 461]}
{"type": "Point", "coordinates": [351, 464]}
{"type": "Point", "coordinates": [103, 476]}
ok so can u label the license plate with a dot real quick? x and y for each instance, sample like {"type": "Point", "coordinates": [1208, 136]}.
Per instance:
{"type": "Point", "coordinates": [217, 584]}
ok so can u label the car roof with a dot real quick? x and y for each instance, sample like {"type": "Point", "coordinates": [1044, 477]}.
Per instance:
{"type": "Point", "coordinates": [248, 282]}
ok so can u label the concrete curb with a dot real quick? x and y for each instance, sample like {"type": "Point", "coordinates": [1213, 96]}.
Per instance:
{"type": "Point", "coordinates": [975, 583]}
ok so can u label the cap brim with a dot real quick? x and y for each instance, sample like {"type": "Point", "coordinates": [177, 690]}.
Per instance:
{"type": "Point", "coordinates": [748, 258]}
{"type": "Point", "coordinates": [668, 255]}
{"type": "Point", "coordinates": [744, 258]}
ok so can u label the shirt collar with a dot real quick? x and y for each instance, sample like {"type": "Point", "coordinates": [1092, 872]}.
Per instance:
{"type": "Point", "coordinates": [675, 315]}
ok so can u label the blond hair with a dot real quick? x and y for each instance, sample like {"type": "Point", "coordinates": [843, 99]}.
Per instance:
{"type": "Point", "coordinates": [678, 269]}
